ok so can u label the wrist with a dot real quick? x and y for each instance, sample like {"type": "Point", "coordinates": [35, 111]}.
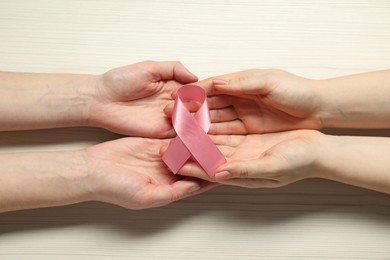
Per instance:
{"type": "Point", "coordinates": [320, 149]}
{"type": "Point", "coordinates": [80, 99]}
{"type": "Point", "coordinates": [326, 112]}
{"type": "Point", "coordinates": [76, 175]}
{"type": "Point", "coordinates": [94, 110]}
{"type": "Point", "coordinates": [327, 147]}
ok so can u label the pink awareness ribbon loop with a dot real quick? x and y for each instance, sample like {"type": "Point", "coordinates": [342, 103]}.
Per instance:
{"type": "Point", "coordinates": [192, 138]}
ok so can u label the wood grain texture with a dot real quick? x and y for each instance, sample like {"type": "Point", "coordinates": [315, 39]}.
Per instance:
{"type": "Point", "coordinates": [312, 219]}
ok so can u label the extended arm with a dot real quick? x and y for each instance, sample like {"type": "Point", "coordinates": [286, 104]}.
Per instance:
{"type": "Point", "coordinates": [265, 101]}
{"type": "Point", "coordinates": [127, 100]}
{"type": "Point", "coordinates": [113, 172]}
{"type": "Point", "coordinates": [33, 100]}
{"type": "Point", "coordinates": [277, 159]}
{"type": "Point", "coordinates": [34, 180]}
{"type": "Point", "coordinates": [356, 101]}
{"type": "Point", "coordinates": [359, 161]}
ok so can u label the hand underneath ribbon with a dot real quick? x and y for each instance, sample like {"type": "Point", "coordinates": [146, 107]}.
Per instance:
{"type": "Point", "coordinates": [129, 172]}
{"type": "Point", "coordinates": [264, 161]}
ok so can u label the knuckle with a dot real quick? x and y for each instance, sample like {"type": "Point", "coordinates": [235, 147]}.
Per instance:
{"type": "Point", "coordinates": [149, 64]}
{"type": "Point", "coordinates": [243, 173]}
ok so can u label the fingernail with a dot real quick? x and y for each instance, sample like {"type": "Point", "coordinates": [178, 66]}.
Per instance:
{"type": "Point", "coordinates": [223, 175]}
{"type": "Point", "coordinates": [220, 81]}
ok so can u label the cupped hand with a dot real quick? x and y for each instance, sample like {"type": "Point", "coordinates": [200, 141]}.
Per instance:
{"type": "Point", "coordinates": [261, 101]}
{"type": "Point", "coordinates": [130, 100]}
{"type": "Point", "coordinates": [267, 160]}
{"type": "Point", "coordinates": [129, 172]}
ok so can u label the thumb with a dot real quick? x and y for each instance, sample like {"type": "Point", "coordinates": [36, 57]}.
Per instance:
{"type": "Point", "coordinates": [248, 82]}
{"type": "Point", "coordinates": [163, 149]}
{"type": "Point", "coordinates": [175, 70]}
{"type": "Point", "coordinates": [242, 169]}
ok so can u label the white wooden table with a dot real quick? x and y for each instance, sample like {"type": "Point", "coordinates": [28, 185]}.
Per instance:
{"type": "Point", "coordinates": [312, 219]}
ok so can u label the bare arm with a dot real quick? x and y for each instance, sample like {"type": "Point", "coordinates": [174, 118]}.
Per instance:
{"type": "Point", "coordinates": [277, 159]}
{"type": "Point", "coordinates": [265, 101]}
{"type": "Point", "coordinates": [33, 100]}
{"type": "Point", "coordinates": [356, 101]}
{"type": "Point", "coordinates": [127, 100]}
{"type": "Point", "coordinates": [113, 172]}
{"type": "Point", "coordinates": [34, 180]}
{"type": "Point", "coordinates": [359, 161]}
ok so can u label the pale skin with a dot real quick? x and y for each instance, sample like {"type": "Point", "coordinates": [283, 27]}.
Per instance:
{"type": "Point", "coordinates": [267, 101]}
{"type": "Point", "coordinates": [118, 100]}
{"type": "Point", "coordinates": [266, 104]}
{"type": "Point", "coordinates": [126, 172]}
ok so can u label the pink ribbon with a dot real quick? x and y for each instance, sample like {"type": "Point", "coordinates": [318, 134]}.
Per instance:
{"type": "Point", "coordinates": [192, 138]}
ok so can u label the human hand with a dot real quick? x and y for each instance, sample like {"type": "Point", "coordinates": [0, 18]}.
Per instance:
{"type": "Point", "coordinates": [261, 101]}
{"type": "Point", "coordinates": [268, 160]}
{"type": "Point", "coordinates": [129, 172]}
{"type": "Point", "coordinates": [130, 100]}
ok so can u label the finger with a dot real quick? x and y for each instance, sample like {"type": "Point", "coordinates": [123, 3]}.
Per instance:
{"type": "Point", "coordinates": [168, 109]}
{"type": "Point", "coordinates": [223, 115]}
{"type": "Point", "coordinates": [164, 194]}
{"type": "Point", "coordinates": [227, 140]}
{"type": "Point", "coordinates": [218, 101]}
{"type": "Point", "coordinates": [235, 127]}
{"type": "Point", "coordinates": [252, 82]}
{"type": "Point", "coordinates": [192, 107]}
{"type": "Point", "coordinates": [193, 169]}
{"type": "Point", "coordinates": [207, 85]}
{"type": "Point", "coordinates": [175, 70]}
{"type": "Point", "coordinates": [221, 101]}
{"type": "Point", "coordinates": [219, 85]}
{"type": "Point", "coordinates": [247, 169]}
{"type": "Point", "coordinates": [204, 185]}
{"type": "Point", "coordinates": [163, 149]}
{"type": "Point", "coordinates": [252, 183]}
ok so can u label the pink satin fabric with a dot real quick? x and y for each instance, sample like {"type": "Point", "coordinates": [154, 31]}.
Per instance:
{"type": "Point", "coordinates": [192, 138]}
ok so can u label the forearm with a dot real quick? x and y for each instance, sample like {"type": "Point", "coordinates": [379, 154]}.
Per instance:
{"type": "Point", "coordinates": [34, 180]}
{"type": "Point", "coordinates": [359, 161]}
{"type": "Point", "coordinates": [35, 101]}
{"type": "Point", "coordinates": [356, 101]}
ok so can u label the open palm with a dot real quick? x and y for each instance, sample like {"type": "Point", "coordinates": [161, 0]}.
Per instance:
{"type": "Point", "coordinates": [129, 172]}
{"type": "Point", "coordinates": [267, 160]}
{"type": "Point", "coordinates": [130, 100]}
